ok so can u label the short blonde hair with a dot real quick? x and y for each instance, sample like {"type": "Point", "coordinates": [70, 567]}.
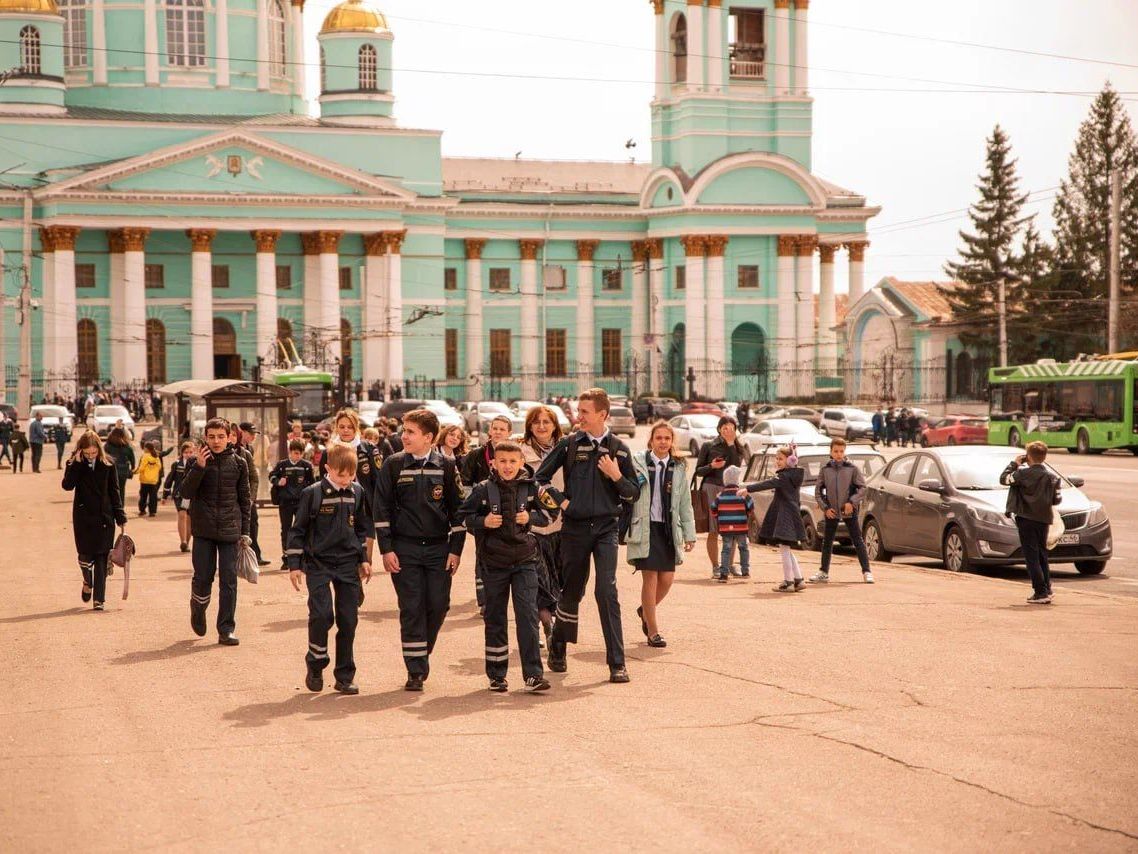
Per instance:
{"type": "Point", "coordinates": [342, 459]}
{"type": "Point", "coordinates": [1036, 451]}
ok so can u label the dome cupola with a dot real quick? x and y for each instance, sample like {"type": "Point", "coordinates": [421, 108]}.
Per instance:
{"type": "Point", "coordinates": [355, 66]}
{"type": "Point", "coordinates": [31, 57]}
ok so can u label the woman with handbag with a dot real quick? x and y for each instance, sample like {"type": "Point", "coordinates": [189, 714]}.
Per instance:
{"type": "Point", "coordinates": [95, 509]}
{"type": "Point", "coordinates": [662, 528]}
{"type": "Point", "coordinates": [724, 450]}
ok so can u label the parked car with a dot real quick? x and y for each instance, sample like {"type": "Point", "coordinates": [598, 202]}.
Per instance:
{"type": "Point", "coordinates": [728, 406]}
{"type": "Point", "coordinates": [648, 409]}
{"type": "Point", "coordinates": [693, 431]}
{"type": "Point", "coordinates": [782, 431]}
{"type": "Point", "coordinates": [468, 409]}
{"type": "Point", "coordinates": [619, 400]}
{"type": "Point", "coordinates": [488, 409]}
{"type": "Point", "coordinates": [447, 414]}
{"type": "Point", "coordinates": [696, 407]}
{"type": "Point", "coordinates": [955, 430]}
{"type": "Point", "coordinates": [810, 460]}
{"type": "Point", "coordinates": [398, 408]}
{"type": "Point", "coordinates": [804, 413]}
{"type": "Point", "coordinates": [948, 503]}
{"type": "Point", "coordinates": [622, 422]}
{"type": "Point", "coordinates": [106, 415]}
{"type": "Point", "coordinates": [847, 422]}
{"type": "Point", "coordinates": [523, 407]}
{"type": "Point", "coordinates": [54, 418]}
{"type": "Point", "coordinates": [369, 411]}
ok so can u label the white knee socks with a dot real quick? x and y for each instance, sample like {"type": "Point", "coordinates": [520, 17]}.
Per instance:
{"type": "Point", "coordinates": [790, 570]}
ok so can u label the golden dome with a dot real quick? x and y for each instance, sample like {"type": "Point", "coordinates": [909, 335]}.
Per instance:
{"type": "Point", "coordinates": [351, 16]}
{"type": "Point", "coordinates": [46, 7]}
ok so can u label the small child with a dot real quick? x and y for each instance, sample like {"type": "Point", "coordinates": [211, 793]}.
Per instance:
{"type": "Point", "coordinates": [503, 509]}
{"type": "Point", "coordinates": [327, 546]}
{"type": "Point", "coordinates": [149, 471]}
{"type": "Point", "coordinates": [732, 509]}
{"type": "Point", "coordinates": [782, 524]}
{"type": "Point", "coordinates": [173, 485]}
{"type": "Point", "coordinates": [19, 447]}
{"type": "Point", "coordinates": [289, 478]}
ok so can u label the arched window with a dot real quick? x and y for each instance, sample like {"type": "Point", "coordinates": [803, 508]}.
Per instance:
{"type": "Point", "coordinates": [185, 32]}
{"type": "Point", "coordinates": [677, 349]}
{"type": "Point", "coordinates": [367, 68]}
{"type": "Point", "coordinates": [750, 365]}
{"type": "Point", "coordinates": [74, 32]}
{"type": "Point", "coordinates": [155, 351]}
{"type": "Point", "coordinates": [345, 338]}
{"type": "Point", "coordinates": [87, 335]}
{"type": "Point", "coordinates": [278, 53]}
{"type": "Point", "coordinates": [30, 50]}
{"type": "Point", "coordinates": [323, 72]}
{"type": "Point", "coordinates": [679, 48]}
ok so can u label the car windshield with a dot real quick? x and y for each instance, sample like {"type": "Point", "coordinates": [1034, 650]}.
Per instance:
{"type": "Point", "coordinates": [494, 408]}
{"type": "Point", "coordinates": [50, 411]}
{"type": "Point", "coordinates": [111, 412]}
{"type": "Point", "coordinates": [704, 422]}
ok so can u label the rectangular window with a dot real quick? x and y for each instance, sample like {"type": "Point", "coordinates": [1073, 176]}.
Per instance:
{"type": "Point", "coordinates": [611, 352]}
{"type": "Point", "coordinates": [612, 279]}
{"type": "Point", "coordinates": [500, 353]}
{"type": "Point", "coordinates": [746, 47]}
{"type": "Point", "coordinates": [345, 278]}
{"type": "Point", "coordinates": [84, 275]}
{"type": "Point", "coordinates": [681, 277]}
{"type": "Point", "coordinates": [748, 276]}
{"type": "Point", "coordinates": [450, 279]}
{"type": "Point", "coordinates": [284, 277]}
{"type": "Point", "coordinates": [74, 33]}
{"type": "Point", "coordinates": [154, 275]}
{"type": "Point", "coordinates": [219, 275]}
{"type": "Point", "coordinates": [451, 355]}
{"type": "Point", "coordinates": [555, 353]}
{"type": "Point", "coordinates": [554, 277]}
{"type": "Point", "coordinates": [500, 278]}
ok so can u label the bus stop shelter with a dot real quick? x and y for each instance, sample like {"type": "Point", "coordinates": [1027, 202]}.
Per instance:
{"type": "Point", "coordinates": [188, 405]}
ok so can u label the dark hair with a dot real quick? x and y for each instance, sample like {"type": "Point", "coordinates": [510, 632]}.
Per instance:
{"type": "Point", "coordinates": [425, 420]}
{"type": "Point", "coordinates": [507, 447]}
{"type": "Point", "coordinates": [296, 445]}
{"type": "Point", "coordinates": [724, 421]}
{"type": "Point", "coordinates": [597, 396]}
{"type": "Point", "coordinates": [117, 436]}
{"type": "Point", "coordinates": [837, 442]}
{"type": "Point", "coordinates": [216, 424]}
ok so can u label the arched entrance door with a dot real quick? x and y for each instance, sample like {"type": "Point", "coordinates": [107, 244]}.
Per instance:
{"type": "Point", "coordinates": [676, 356]}
{"type": "Point", "coordinates": [750, 364]}
{"type": "Point", "coordinates": [226, 361]}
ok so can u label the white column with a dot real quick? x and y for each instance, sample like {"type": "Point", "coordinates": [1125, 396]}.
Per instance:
{"type": "Point", "coordinates": [266, 242]}
{"type": "Point", "coordinates": [716, 41]}
{"type": "Point", "coordinates": [115, 333]}
{"type": "Point", "coordinates": [782, 58]}
{"type": "Point", "coordinates": [663, 51]}
{"type": "Point", "coordinates": [656, 313]}
{"type": "Point", "coordinates": [299, 69]}
{"type": "Point", "coordinates": [395, 341]}
{"type": "Point", "coordinates": [639, 350]}
{"type": "Point", "coordinates": [697, 47]}
{"type": "Point", "coordinates": [827, 311]}
{"type": "Point", "coordinates": [150, 41]}
{"type": "Point", "coordinates": [221, 22]}
{"type": "Point", "coordinates": [99, 42]}
{"type": "Point", "coordinates": [695, 310]}
{"type": "Point", "coordinates": [66, 313]}
{"type": "Point", "coordinates": [134, 304]}
{"type": "Point", "coordinates": [716, 359]}
{"type": "Point", "coordinates": [262, 46]}
{"type": "Point", "coordinates": [804, 312]}
{"type": "Point", "coordinates": [50, 328]}
{"type": "Point", "coordinates": [201, 303]}
{"type": "Point", "coordinates": [586, 331]}
{"type": "Point", "coordinates": [857, 269]}
{"type": "Point", "coordinates": [530, 328]}
{"type": "Point", "coordinates": [475, 352]}
{"type": "Point", "coordinates": [784, 283]}
{"type": "Point", "coordinates": [374, 314]}
{"type": "Point", "coordinates": [329, 267]}
{"type": "Point", "coordinates": [801, 48]}
{"type": "Point", "coordinates": [310, 245]}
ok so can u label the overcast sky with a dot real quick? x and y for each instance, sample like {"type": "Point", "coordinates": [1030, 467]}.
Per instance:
{"type": "Point", "coordinates": [475, 70]}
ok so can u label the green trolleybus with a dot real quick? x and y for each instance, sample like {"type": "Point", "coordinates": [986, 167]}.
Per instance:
{"type": "Point", "coordinates": [1086, 407]}
{"type": "Point", "coordinates": [314, 400]}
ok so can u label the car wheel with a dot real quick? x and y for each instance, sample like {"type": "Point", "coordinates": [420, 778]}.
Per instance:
{"type": "Point", "coordinates": [955, 551]}
{"type": "Point", "coordinates": [693, 448]}
{"type": "Point", "coordinates": [1090, 567]}
{"type": "Point", "coordinates": [1082, 442]}
{"type": "Point", "coordinates": [874, 545]}
{"type": "Point", "coordinates": [951, 441]}
{"type": "Point", "coordinates": [1014, 440]}
{"type": "Point", "coordinates": [812, 542]}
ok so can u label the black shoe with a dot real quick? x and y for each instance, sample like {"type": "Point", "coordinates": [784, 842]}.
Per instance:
{"type": "Point", "coordinates": [557, 657]}
{"type": "Point", "coordinates": [414, 683]}
{"type": "Point", "coordinates": [657, 642]}
{"type": "Point", "coordinates": [643, 624]}
{"type": "Point", "coordinates": [722, 578]}
{"type": "Point", "coordinates": [85, 593]}
{"type": "Point", "coordinates": [349, 688]}
{"type": "Point", "coordinates": [618, 675]}
{"type": "Point", "coordinates": [228, 639]}
{"type": "Point", "coordinates": [1038, 599]}
{"type": "Point", "coordinates": [262, 562]}
{"type": "Point", "coordinates": [314, 681]}
{"type": "Point", "coordinates": [185, 547]}
{"type": "Point", "coordinates": [536, 684]}
{"type": "Point", "coordinates": [197, 619]}
{"type": "Point", "coordinates": [99, 605]}
{"type": "Point", "coordinates": [498, 686]}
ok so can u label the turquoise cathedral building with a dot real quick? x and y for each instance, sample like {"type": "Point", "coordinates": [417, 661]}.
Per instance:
{"type": "Point", "coordinates": [185, 209]}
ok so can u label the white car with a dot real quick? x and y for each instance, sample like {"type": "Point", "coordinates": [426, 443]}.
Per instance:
{"type": "Point", "coordinates": [523, 407]}
{"type": "Point", "coordinates": [694, 431]}
{"type": "Point", "coordinates": [104, 418]}
{"type": "Point", "coordinates": [783, 431]}
{"type": "Point", "coordinates": [847, 422]}
{"type": "Point", "coordinates": [369, 412]}
{"type": "Point", "coordinates": [489, 409]}
{"type": "Point", "coordinates": [448, 415]}
{"type": "Point", "coordinates": [53, 418]}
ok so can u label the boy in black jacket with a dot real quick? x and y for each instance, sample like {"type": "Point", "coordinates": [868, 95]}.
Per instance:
{"type": "Point", "coordinates": [502, 509]}
{"type": "Point", "coordinates": [289, 478]}
{"type": "Point", "coordinates": [327, 544]}
{"type": "Point", "coordinates": [1034, 491]}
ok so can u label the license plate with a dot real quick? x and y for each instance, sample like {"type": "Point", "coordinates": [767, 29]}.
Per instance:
{"type": "Point", "coordinates": [1069, 540]}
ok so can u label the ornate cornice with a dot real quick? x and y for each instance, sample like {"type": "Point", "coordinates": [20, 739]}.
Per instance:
{"type": "Point", "coordinates": [806, 244]}
{"type": "Point", "coordinates": [474, 247]}
{"type": "Point", "coordinates": [787, 243]}
{"type": "Point", "coordinates": [716, 245]}
{"type": "Point", "coordinates": [826, 252]}
{"type": "Point", "coordinates": [266, 239]}
{"type": "Point", "coordinates": [375, 244]}
{"type": "Point", "coordinates": [529, 248]}
{"type": "Point", "coordinates": [395, 240]}
{"type": "Point", "coordinates": [586, 249]}
{"type": "Point", "coordinates": [857, 249]}
{"type": "Point", "coordinates": [201, 239]}
{"type": "Point", "coordinates": [695, 245]}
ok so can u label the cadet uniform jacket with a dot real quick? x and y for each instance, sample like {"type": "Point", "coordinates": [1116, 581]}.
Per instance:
{"type": "Point", "coordinates": [511, 544]}
{"type": "Point", "coordinates": [330, 530]}
{"type": "Point", "coordinates": [299, 476]}
{"type": "Point", "coordinates": [418, 500]}
{"type": "Point", "coordinates": [173, 484]}
{"type": "Point", "coordinates": [591, 495]}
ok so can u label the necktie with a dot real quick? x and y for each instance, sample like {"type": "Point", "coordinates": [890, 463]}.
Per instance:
{"type": "Point", "coordinates": [660, 482]}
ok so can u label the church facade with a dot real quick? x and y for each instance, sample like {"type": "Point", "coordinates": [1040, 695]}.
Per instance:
{"type": "Point", "coordinates": [183, 214]}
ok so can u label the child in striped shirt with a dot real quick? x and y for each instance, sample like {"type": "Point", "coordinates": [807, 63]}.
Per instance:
{"type": "Point", "coordinates": [732, 512]}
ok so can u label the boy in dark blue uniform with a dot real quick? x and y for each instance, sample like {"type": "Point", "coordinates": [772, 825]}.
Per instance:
{"type": "Point", "coordinates": [600, 482]}
{"type": "Point", "coordinates": [289, 478]}
{"type": "Point", "coordinates": [416, 505]}
{"type": "Point", "coordinates": [327, 545]}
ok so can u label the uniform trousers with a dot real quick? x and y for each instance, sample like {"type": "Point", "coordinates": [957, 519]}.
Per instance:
{"type": "Point", "coordinates": [582, 540]}
{"type": "Point", "coordinates": [148, 498]}
{"type": "Point", "coordinates": [333, 597]}
{"type": "Point", "coordinates": [254, 528]}
{"type": "Point", "coordinates": [287, 513]}
{"type": "Point", "coordinates": [37, 455]}
{"type": "Point", "coordinates": [422, 587]}
{"type": "Point", "coordinates": [212, 557]}
{"type": "Point", "coordinates": [94, 569]}
{"type": "Point", "coordinates": [521, 582]}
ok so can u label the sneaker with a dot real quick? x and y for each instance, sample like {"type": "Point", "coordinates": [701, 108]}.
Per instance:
{"type": "Point", "coordinates": [819, 577]}
{"type": "Point", "coordinates": [349, 688]}
{"type": "Point", "coordinates": [738, 573]}
{"type": "Point", "coordinates": [785, 587]}
{"type": "Point", "coordinates": [314, 681]}
{"type": "Point", "coordinates": [715, 573]}
{"type": "Point", "coordinates": [618, 675]}
{"type": "Point", "coordinates": [723, 578]}
{"type": "Point", "coordinates": [745, 573]}
{"type": "Point", "coordinates": [262, 562]}
{"type": "Point", "coordinates": [197, 618]}
{"type": "Point", "coordinates": [799, 585]}
{"type": "Point", "coordinates": [498, 686]}
{"type": "Point", "coordinates": [657, 642]}
{"type": "Point", "coordinates": [535, 684]}
{"type": "Point", "coordinates": [868, 576]}
{"type": "Point", "coordinates": [228, 639]}
{"type": "Point", "coordinates": [1036, 599]}
{"type": "Point", "coordinates": [98, 606]}
{"type": "Point", "coordinates": [558, 662]}
{"type": "Point", "coordinates": [413, 683]}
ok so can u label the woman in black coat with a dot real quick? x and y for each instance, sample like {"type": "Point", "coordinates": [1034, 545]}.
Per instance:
{"type": "Point", "coordinates": [96, 508]}
{"type": "Point", "coordinates": [782, 524]}
{"type": "Point", "coordinates": [120, 453]}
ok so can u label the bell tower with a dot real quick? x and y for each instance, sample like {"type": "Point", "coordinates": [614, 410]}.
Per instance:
{"type": "Point", "coordinates": [731, 77]}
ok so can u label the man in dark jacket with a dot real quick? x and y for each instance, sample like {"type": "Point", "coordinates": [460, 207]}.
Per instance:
{"type": "Point", "coordinates": [1033, 492]}
{"type": "Point", "coordinates": [37, 437]}
{"type": "Point", "coordinates": [217, 486]}
{"type": "Point", "coordinates": [838, 493]}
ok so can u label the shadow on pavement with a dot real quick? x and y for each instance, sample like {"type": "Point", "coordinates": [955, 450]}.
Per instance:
{"type": "Point", "coordinates": [324, 706]}
{"type": "Point", "coordinates": [477, 702]}
{"type": "Point", "coordinates": [27, 618]}
{"type": "Point", "coordinates": [174, 650]}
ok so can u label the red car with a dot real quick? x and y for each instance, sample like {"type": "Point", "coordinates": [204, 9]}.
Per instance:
{"type": "Point", "coordinates": [955, 430]}
{"type": "Point", "coordinates": [696, 407]}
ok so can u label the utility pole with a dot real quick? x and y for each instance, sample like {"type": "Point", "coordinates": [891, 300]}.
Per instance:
{"type": "Point", "coordinates": [1003, 313]}
{"type": "Point", "coordinates": [24, 382]}
{"type": "Point", "coordinates": [1115, 259]}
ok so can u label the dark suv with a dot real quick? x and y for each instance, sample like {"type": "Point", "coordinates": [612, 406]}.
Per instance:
{"type": "Point", "coordinates": [645, 409]}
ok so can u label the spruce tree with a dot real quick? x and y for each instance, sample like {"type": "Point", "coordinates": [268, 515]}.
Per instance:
{"type": "Point", "coordinates": [988, 251]}
{"type": "Point", "coordinates": [1031, 333]}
